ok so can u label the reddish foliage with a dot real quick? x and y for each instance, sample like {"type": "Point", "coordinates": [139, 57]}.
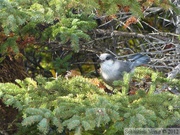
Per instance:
{"type": "Point", "coordinates": [129, 21]}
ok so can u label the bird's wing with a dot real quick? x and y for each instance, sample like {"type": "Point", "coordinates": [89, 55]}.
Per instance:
{"type": "Point", "coordinates": [124, 67]}
{"type": "Point", "coordinates": [139, 60]}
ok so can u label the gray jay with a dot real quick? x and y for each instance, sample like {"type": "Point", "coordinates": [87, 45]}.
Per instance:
{"type": "Point", "coordinates": [113, 69]}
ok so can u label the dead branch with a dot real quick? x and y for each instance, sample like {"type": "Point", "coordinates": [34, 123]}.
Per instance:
{"type": "Point", "coordinates": [174, 72]}
{"type": "Point", "coordinates": [159, 36]}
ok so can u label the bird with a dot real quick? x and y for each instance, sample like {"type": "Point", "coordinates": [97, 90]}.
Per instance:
{"type": "Point", "coordinates": [112, 69]}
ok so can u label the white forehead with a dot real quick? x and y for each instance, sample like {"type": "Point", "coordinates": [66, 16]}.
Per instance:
{"type": "Point", "coordinates": [103, 56]}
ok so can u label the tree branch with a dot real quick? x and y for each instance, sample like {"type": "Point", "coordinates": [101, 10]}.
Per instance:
{"type": "Point", "coordinates": [154, 36]}
{"type": "Point", "coordinates": [174, 72]}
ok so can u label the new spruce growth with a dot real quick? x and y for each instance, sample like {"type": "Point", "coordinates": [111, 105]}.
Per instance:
{"type": "Point", "coordinates": [53, 106]}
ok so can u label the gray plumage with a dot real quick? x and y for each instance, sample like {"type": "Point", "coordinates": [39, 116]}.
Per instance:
{"type": "Point", "coordinates": [113, 69]}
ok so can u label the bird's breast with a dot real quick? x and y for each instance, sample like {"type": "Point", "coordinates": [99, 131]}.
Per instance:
{"type": "Point", "coordinates": [110, 73]}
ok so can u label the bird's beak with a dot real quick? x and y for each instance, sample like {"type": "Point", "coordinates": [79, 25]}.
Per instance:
{"type": "Point", "coordinates": [99, 61]}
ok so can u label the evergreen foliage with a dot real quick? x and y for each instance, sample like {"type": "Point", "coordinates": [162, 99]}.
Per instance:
{"type": "Point", "coordinates": [57, 17]}
{"type": "Point", "coordinates": [56, 105]}
{"type": "Point", "coordinates": [59, 105]}
{"type": "Point", "coordinates": [60, 20]}
{"type": "Point", "coordinates": [61, 65]}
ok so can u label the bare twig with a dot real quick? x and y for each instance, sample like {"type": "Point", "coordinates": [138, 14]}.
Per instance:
{"type": "Point", "coordinates": [155, 36]}
{"type": "Point", "coordinates": [174, 72]}
{"type": "Point", "coordinates": [111, 52]}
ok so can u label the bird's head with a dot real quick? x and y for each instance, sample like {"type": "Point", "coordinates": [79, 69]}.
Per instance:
{"type": "Point", "coordinates": [107, 58]}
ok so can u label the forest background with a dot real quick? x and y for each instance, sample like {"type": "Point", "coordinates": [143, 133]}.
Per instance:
{"type": "Point", "coordinates": [49, 74]}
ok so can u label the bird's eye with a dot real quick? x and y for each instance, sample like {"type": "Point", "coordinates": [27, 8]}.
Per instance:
{"type": "Point", "coordinates": [107, 58]}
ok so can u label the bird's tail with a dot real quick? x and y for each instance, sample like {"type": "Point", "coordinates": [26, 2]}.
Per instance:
{"type": "Point", "coordinates": [138, 59]}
